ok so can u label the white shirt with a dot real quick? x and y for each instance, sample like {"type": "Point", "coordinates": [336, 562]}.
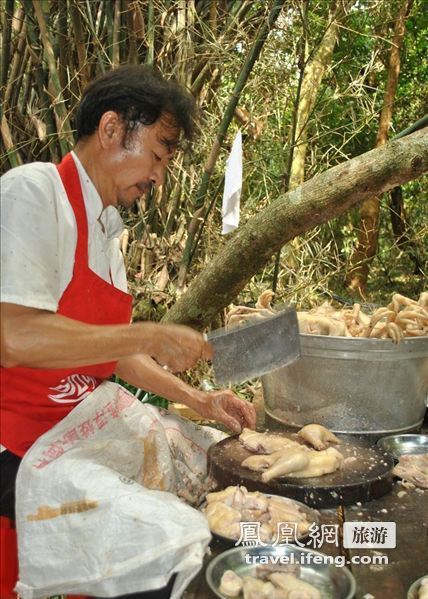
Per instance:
{"type": "Point", "coordinates": [39, 236]}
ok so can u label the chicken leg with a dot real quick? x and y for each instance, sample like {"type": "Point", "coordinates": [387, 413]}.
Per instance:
{"type": "Point", "coordinates": [318, 436]}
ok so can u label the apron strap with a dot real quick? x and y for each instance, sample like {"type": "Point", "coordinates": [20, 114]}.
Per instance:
{"type": "Point", "coordinates": [70, 179]}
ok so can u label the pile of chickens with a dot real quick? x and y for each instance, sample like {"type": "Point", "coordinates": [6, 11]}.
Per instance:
{"type": "Point", "coordinates": [270, 585]}
{"type": "Point", "coordinates": [226, 510]}
{"type": "Point", "coordinates": [402, 317]}
{"type": "Point", "coordinates": [278, 456]}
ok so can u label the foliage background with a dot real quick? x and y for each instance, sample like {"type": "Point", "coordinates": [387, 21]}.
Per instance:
{"type": "Point", "coordinates": [52, 48]}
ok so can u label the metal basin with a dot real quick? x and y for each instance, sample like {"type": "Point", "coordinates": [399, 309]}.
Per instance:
{"type": "Point", "coordinates": [333, 581]}
{"type": "Point", "coordinates": [352, 385]}
{"type": "Point", "coordinates": [398, 445]}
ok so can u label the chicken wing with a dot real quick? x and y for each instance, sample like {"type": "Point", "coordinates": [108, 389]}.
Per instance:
{"type": "Point", "coordinates": [318, 436]}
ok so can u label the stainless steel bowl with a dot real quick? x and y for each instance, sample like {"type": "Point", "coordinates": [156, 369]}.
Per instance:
{"type": "Point", "coordinates": [413, 592]}
{"type": "Point", "coordinates": [333, 582]}
{"type": "Point", "coordinates": [352, 385]}
{"type": "Point", "coordinates": [398, 445]}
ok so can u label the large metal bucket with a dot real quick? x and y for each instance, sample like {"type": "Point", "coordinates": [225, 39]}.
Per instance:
{"type": "Point", "coordinates": [352, 385]}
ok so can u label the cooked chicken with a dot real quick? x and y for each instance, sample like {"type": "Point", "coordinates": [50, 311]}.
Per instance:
{"type": "Point", "coordinates": [296, 588]}
{"type": "Point", "coordinates": [231, 496]}
{"type": "Point", "coordinates": [423, 589]}
{"type": "Point", "coordinates": [289, 461]}
{"type": "Point", "coordinates": [224, 520]}
{"type": "Point", "coordinates": [281, 509]}
{"type": "Point", "coordinates": [264, 442]}
{"type": "Point", "coordinates": [413, 468]}
{"type": "Point", "coordinates": [279, 594]}
{"type": "Point", "coordinates": [254, 501]}
{"type": "Point", "coordinates": [301, 463]}
{"type": "Point", "coordinates": [267, 532]}
{"type": "Point", "coordinates": [321, 462]}
{"type": "Point", "coordinates": [255, 588]}
{"type": "Point", "coordinates": [231, 584]}
{"type": "Point", "coordinates": [259, 462]}
{"type": "Point", "coordinates": [316, 324]}
{"type": "Point", "coordinates": [402, 317]}
{"type": "Point", "coordinates": [317, 436]}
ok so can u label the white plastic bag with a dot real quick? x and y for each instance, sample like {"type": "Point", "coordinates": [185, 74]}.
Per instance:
{"type": "Point", "coordinates": [87, 522]}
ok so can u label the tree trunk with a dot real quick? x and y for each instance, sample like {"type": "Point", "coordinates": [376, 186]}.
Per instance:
{"type": "Point", "coordinates": [366, 247]}
{"type": "Point", "coordinates": [316, 201]}
{"type": "Point", "coordinates": [400, 228]}
{"type": "Point", "coordinates": [312, 78]}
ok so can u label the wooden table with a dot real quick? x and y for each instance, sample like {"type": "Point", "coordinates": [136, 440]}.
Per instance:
{"type": "Point", "coordinates": [408, 508]}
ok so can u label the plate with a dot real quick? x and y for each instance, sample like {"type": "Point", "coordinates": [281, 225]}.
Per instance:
{"type": "Point", "coordinates": [333, 582]}
{"type": "Point", "coordinates": [311, 515]}
{"type": "Point", "coordinates": [413, 591]}
{"type": "Point", "coordinates": [398, 445]}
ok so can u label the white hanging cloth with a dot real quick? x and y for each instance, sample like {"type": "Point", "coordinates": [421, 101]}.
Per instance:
{"type": "Point", "coordinates": [232, 187]}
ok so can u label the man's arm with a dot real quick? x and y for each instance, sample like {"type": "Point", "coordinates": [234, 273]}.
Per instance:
{"type": "Point", "coordinates": [223, 406]}
{"type": "Point", "coordinates": [40, 339]}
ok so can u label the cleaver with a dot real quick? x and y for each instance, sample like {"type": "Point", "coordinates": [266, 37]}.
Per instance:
{"type": "Point", "coordinates": [256, 347]}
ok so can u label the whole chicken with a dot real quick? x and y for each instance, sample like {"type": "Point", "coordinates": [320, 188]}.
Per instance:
{"type": "Point", "coordinates": [303, 463]}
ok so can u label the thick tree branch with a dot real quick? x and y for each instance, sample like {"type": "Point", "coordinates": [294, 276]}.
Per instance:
{"type": "Point", "coordinates": [316, 201]}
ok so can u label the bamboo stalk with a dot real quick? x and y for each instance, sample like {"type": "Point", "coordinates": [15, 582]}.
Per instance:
{"type": "Point", "coordinates": [65, 134]}
{"type": "Point", "coordinates": [17, 59]}
{"type": "Point", "coordinates": [109, 20]}
{"type": "Point", "coordinates": [294, 119]}
{"type": "Point", "coordinates": [99, 49]}
{"type": "Point", "coordinates": [79, 41]}
{"type": "Point", "coordinates": [6, 40]}
{"type": "Point", "coordinates": [129, 28]}
{"type": "Point", "coordinates": [12, 153]}
{"type": "Point", "coordinates": [39, 75]}
{"type": "Point", "coordinates": [19, 80]}
{"type": "Point", "coordinates": [150, 56]}
{"type": "Point", "coordinates": [201, 193]}
{"type": "Point", "coordinates": [63, 46]}
{"type": "Point", "coordinates": [28, 86]}
{"type": "Point", "coordinates": [116, 33]}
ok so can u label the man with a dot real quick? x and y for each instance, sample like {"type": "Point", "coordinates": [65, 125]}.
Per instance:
{"type": "Point", "coordinates": [65, 309]}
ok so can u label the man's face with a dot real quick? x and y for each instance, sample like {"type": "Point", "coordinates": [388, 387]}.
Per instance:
{"type": "Point", "coordinates": [133, 167]}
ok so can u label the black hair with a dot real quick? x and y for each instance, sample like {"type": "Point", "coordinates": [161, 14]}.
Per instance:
{"type": "Point", "coordinates": [140, 95]}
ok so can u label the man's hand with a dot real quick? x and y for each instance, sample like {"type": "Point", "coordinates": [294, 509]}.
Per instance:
{"type": "Point", "coordinates": [225, 407]}
{"type": "Point", "coordinates": [178, 347]}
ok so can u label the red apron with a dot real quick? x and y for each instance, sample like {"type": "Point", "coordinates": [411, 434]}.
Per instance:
{"type": "Point", "coordinates": [33, 400]}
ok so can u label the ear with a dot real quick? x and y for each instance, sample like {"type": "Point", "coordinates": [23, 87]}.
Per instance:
{"type": "Point", "coordinates": [110, 129]}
